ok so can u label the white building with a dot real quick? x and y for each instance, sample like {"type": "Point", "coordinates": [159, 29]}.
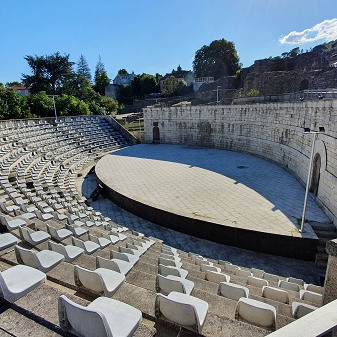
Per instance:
{"type": "Point", "coordinates": [122, 79]}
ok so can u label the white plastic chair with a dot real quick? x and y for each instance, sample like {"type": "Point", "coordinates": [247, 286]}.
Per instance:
{"type": "Point", "coordinates": [167, 262]}
{"type": "Point", "coordinates": [299, 309]}
{"type": "Point", "coordinates": [100, 281]}
{"type": "Point", "coordinates": [169, 270]}
{"type": "Point", "coordinates": [18, 281]}
{"type": "Point", "coordinates": [124, 257]}
{"type": "Point", "coordinates": [89, 247]}
{"type": "Point", "coordinates": [288, 285]}
{"type": "Point", "coordinates": [256, 313]}
{"type": "Point", "coordinates": [119, 266]}
{"type": "Point", "coordinates": [217, 277]}
{"type": "Point", "coordinates": [12, 224]}
{"type": "Point", "coordinates": [44, 260]}
{"type": "Point", "coordinates": [102, 242]}
{"type": "Point", "coordinates": [184, 310]}
{"type": "Point", "coordinates": [311, 296]}
{"type": "Point", "coordinates": [275, 294]}
{"type": "Point", "coordinates": [102, 317]}
{"type": "Point", "coordinates": [7, 240]}
{"type": "Point", "coordinates": [169, 283]}
{"type": "Point", "coordinates": [77, 231]}
{"type": "Point", "coordinates": [232, 291]}
{"type": "Point", "coordinates": [70, 253]}
{"type": "Point", "coordinates": [34, 238]}
{"type": "Point", "coordinates": [58, 234]}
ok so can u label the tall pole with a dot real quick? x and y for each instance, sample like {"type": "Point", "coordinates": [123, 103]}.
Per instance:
{"type": "Point", "coordinates": [217, 94]}
{"type": "Point", "coordinates": [308, 181]}
{"type": "Point", "coordinates": [55, 108]}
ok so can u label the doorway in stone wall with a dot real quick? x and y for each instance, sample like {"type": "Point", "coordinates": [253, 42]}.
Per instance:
{"type": "Point", "coordinates": [156, 135]}
{"type": "Point", "coordinates": [315, 174]}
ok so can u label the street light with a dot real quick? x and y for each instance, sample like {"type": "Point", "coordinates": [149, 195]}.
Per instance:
{"type": "Point", "coordinates": [53, 96]}
{"type": "Point", "coordinates": [217, 94]}
{"type": "Point", "coordinates": [314, 133]}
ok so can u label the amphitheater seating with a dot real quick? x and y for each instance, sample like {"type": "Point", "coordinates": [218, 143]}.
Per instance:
{"type": "Point", "coordinates": [168, 270]}
{"type": "Point", "coordinates": [19, 280]}
{"type": "Point", "coordinates": [102, 242]}
{"type": "Point", "coordinates": [7, 240]}
{"type": "Point", "coordinates": [77, 231]}
{"type": "Point", "coordinates": [299, 309]}
{"type": "Point", "coordinates": [34, 238]}
{"type": "Point", "coordinates": [169, 262]}
{"type": "Point", "coordinates": [70, 252]}
{"type": "Point", "coordinates": [100, 281]}
{"type": "Point", "coordinates": [288, 285]}
{"type": "Point", "coordinates": [12, 224]}
{"type": "Point", "coordinates": [256, 312]}
{"type": "Point", "coordinates": [167, 284]}
{"type": "Point", "coordinates": [256, 281]}
{"type": "Point", "coordinates": [44, 260]}
{"type": "Point", "coordinates": [102, 317]}
{"type": "Point", "coordinates": [40, 161]}
{"type": "Point", "coordinates": [232, 291]}
{"type": "Point", "coordinates": [133, 259]}
{"type": "Point", "coordinates": [185, 310]}
{"type": "Point", "coordinates": [89, 247]}
{"type": "Point", "coordinates": [119, 266]}
{"type": "Point", "coordinates": [216, 277]}
{"type": "Point", "coordinates": [313, 288]}
{"type": "Point", "coordinates": [311, 296]}
{"type": "Point", "coordinates": [58, 234]}
{"type": "Point", "coordinates": [298, 281]}
{"type": "Point", "coordinates": [275, 294]}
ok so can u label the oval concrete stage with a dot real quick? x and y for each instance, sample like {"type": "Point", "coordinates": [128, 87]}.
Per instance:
{"type": "Point", "coordinates": [222, 196]}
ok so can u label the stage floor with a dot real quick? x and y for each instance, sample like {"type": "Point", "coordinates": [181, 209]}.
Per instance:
{"type": "Point", "coordinates": [218, 186]}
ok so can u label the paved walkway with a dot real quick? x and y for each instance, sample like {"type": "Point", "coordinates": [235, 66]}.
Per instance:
{"type": "Point", "coordinates": [270, 263]}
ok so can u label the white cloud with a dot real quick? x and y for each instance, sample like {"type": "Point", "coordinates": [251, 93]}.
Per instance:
{"type": "Point", "coordinates": [326, 30]}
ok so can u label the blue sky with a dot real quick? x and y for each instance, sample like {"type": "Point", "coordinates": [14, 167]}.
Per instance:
{"type": "Point", "coordinates": [156, 36]}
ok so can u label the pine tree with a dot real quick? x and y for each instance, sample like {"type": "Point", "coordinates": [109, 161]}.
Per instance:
{"type": "Point", "coordinates": [101, 77]}
{"type": "Point", "coordinates": [99, 68]}
{"type": "Point", "coordinates": [83, 68]}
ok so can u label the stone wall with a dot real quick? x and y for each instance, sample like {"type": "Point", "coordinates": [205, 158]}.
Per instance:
{"type": "Point", "coordinates": [279, 82]}
{"type": "Point", "coordinates": [272, 131]}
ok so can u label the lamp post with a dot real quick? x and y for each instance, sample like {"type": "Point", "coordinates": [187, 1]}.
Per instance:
{"type": "Point", "coordinates": [217, 94]}
{"type": "Point", "coordinates": [53, 96]}
{"type": "Point", "coordinates": [314, 133]}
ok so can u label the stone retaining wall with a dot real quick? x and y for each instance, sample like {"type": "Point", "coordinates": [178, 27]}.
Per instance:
{"type": "Point", "coordinates": [273, 131]}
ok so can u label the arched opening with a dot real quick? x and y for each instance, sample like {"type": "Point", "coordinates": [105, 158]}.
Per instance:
{"type": "Point", "coordinates": [156, 135]}
{"type": "Point", "coordinates": [315, 174]}
{"type": "Point", "coordinates": [304, 85]}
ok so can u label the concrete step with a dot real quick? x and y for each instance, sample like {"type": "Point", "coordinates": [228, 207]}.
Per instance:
{"type": "Point", "coordinates": [332, 234]}
{"type": "Point", "coordinates": [321, 264]}
{"type": "Point", "coordinates": [322, 225]}
{"type": "Point", "coordinates": [322, 257]}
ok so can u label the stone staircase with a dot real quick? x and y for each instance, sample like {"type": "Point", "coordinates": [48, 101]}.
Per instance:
{"type": "Point", "coordinates": [325, 232]}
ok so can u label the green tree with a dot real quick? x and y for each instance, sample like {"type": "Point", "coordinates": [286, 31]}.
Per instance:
{"type": "Point", "coordinates": [122, 72]}
{"type": "Point", "coordinates": [144, 84]}
{"type": "Point", "coordinates": [13, 105]}
{"type": "Point", "coordinates": [67, 105]}
{"type": "Point", "coordinates": [218, 59]}
{"type": "Point", "coordinates": [83, 69]}
{"type": "Point", "coordinates": [41, 105]}
{"type": "Point", "coordinates": [10, 84]}
{"type": "Point", "coordinates": [148, 84]}
{"type": "Point", "coordinates": [109, 104]}
{"type": "Point", "coordinates": [49, 73]}
{"type": "Point", "coordinates": [125, 94]}
{"type": "Point", "coordinates": [101, 77]}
